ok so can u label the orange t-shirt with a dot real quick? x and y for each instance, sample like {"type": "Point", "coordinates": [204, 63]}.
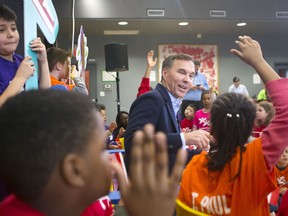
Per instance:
{"type": "Point", "coordinates": [214, 193]}
{"type": "Point", "coordinates": [282, 177]}
{"type": "Point", "coordinates": [54, 82]}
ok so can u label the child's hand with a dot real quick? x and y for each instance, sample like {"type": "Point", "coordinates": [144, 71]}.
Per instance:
{"type": "Point", "coordinates": [121, 132]}
{"type": "Point", "coordinates": [152, 191]}
{"type": "Point", "coordinates": [74, 73]}
{"type": "Point", "coordinates": [25, 69]}
{"type": "Point", "coordinates": [151, 63]}
{"type": "Point", "coordinates": [37, 46]}
{"type": "Point", "coordinates": [250, 50]}
{"type": "Point", "coordinates": [112, 127]}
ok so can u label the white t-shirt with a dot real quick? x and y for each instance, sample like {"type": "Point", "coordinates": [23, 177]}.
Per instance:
{"type": "Point", "coordinates": [241, 89]}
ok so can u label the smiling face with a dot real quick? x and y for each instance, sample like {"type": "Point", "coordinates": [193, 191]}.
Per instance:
{"type": "Point", "coordinates": [178, 78]}
{"type": "Point", "coordinates": [9, 38]}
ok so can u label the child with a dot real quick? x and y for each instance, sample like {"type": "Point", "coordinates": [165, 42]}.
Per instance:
{"type": "Point", "coordinates": [57, 165]}
{"type": "Point", "coordinates": [108, 129]}
{"type": "Point", "coordinates": [187, 122]}
{"type": "Point", "coordinates": [235, 177]}
{"type": "Point", "coordinates": [264, 114]}
{"type": "Point", "coordinates": [145, 82]}
{"type": "Point", "coordinates": [202, 117]}
{"type": "Point", "coordinates": [59, 62]}
{"type": "Point", "coordinates": [282, 173]}
{"type": "Point", "coordinates": [14, 69]}
{"type": "Point", "coordinates": [122, 122]}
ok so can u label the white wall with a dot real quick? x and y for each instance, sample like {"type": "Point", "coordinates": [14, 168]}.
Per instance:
{"type": "Point", "coordinates": [274, 48]}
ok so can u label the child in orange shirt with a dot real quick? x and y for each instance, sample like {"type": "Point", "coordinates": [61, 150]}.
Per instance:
{"type": "Point", "coordinates": [235, 177]}
{"type": "Point", "coordinates": [282, 173]}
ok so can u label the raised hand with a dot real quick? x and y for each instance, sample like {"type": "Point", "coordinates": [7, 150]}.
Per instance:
{"type": "Point", "coordinates": [250, 52]}
{"type": "Point", "coordinates": [37, 46]}
{"type": "Point", "coordinates": [150, 61]}
{"type": "Point", "coordinates": [151, 190]}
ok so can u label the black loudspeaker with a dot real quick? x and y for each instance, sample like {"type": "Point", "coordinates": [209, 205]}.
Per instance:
{"type": "Point", "coordinates": [116, 57]}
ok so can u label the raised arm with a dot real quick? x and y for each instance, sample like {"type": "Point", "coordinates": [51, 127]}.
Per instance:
{"type": "Point", "coordinates": [151, 191]}
{"type": "Point", "coordinates": [274, 137]}
{"type": "Point", "coordinates": [250, 52]}
{"type": "Point", "coordinates": [145, 82]}
{"type": "Point", "coordinates": [150, 63]}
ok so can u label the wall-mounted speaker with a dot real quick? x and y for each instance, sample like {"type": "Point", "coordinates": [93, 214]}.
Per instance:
{"type": "Point", "coordinates": [116, 57]}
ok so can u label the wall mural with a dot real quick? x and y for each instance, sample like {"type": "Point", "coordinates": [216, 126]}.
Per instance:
{"type": "Point", "coordinates": [206, 54]}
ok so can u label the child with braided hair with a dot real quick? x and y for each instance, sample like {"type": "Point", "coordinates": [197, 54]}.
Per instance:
{"type": "Point", "coordinates": [235, 177]}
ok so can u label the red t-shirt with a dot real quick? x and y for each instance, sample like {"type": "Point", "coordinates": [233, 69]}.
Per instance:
{"type": "Point", "coordinates": [186, 123]}
{"type": "Point", "coordinates": [144, 86]}
{"type": "Point", "coordinates": [258, 130]}
{"type": "Point", "coordinates": [12, 206]}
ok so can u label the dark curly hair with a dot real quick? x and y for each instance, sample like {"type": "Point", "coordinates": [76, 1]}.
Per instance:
{"type": "Point", "coordinates": [232, 119]}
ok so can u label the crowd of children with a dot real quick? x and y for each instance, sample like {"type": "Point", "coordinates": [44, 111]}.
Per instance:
{"type": "Point", "coordinates": [70, 169]}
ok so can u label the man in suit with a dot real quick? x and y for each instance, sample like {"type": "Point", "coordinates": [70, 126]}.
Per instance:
{"type": "Point", "coordinates": [160, 107]}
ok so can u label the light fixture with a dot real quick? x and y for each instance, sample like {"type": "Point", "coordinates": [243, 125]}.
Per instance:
{"type": "Point", "coordinates": [123, 23]}
{"type": "Point", "coordinates": [217, 13]}
{"type": "Point", "coordinates": [121, 32]}
{"type": "Point", "coordinates": [241, 24]}
{"type": "Point", "coordinates": [199, 35]}
{"type": "Point", "coordinates": [155, 12]}
{"type": "Point", "coordinates": [281, 14]}
{"type": "Point", "coordinates": [183, 23]}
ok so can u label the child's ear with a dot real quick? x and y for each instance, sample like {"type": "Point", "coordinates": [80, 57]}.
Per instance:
{"type": "Point", "coordinates": [58, 65]}
{"type": "Point", "coordinates": [73, 169]}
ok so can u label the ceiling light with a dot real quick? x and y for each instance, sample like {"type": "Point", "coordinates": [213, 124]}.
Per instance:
{"type": "Point", "coordinates": [241, 24]}
{"type": "Point", "coordinates": [199, 35]}
{"type": "Point", "coordinates": [123, 23]}
{"type": "Point", "coordinates": [121, 32]}
{"type": "Point", "coordinates": [183, 23]}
